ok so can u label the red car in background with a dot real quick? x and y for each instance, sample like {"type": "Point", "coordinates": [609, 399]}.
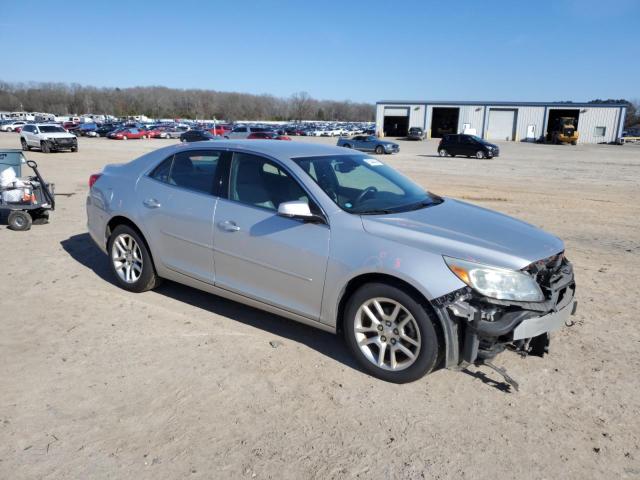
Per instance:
{"type": "Point", "coordinates": [127, 133]}
{"type": "Point", "coordinates": [155, 132]}
{"type": "Point", "coordinates": [220, 130]}
{"type": "Point", "coordinates": [267, 136]}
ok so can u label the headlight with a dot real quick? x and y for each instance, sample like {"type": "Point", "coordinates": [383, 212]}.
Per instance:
{"type": "Point", "coordinates": [495, 282]}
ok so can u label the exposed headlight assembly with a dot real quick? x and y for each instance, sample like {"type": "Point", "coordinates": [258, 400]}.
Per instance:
{"type": "Point", "coordinates": [494, 282]}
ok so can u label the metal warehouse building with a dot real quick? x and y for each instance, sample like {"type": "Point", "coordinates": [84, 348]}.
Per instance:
{"type": "Point", "coordinates": [506, 121]}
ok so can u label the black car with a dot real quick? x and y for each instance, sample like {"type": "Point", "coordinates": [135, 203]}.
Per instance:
{"type": "Point", "coordinates": [104, 129]}
{"type": "Point", "coordinates": [197, 136]}
{"type": "Point", "coordinates": [415, 133]}
{"type": "Point", "coordinates": [467, 145]}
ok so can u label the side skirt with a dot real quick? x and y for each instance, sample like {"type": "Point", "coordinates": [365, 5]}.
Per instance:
{"type": "Point", "coordinates": [236, 297]}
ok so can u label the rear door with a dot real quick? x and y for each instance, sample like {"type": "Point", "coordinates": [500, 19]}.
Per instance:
{"type": "Point", "coordinates": [259, 254]}
{"type": "Point", "coordinates": [178, 200]}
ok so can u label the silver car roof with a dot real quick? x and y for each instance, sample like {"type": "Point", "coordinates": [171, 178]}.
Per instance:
{"type": "Point", "coordinates": [274, 148]}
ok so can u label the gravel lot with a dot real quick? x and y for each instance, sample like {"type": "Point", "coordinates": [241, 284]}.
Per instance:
{"type": "Point", "coordinates": [96, 382]}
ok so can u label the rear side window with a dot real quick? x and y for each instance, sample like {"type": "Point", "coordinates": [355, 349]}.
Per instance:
{"type": "Point", "coordinates": [162, 171]}
{"type": "Point", "coordinates": [193, 170]}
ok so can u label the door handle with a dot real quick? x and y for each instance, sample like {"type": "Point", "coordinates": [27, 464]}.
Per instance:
{"type": "Point", "coordinates": [151, 203]}
{"type": "Point", "coordinates": [229, 226]}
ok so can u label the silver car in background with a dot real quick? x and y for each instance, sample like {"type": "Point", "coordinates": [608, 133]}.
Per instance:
{"type": "Point", "coordinates": [338, 240]}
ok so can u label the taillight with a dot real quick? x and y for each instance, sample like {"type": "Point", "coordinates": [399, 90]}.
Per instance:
{"type": "Point", "coordinates": [94, 178]}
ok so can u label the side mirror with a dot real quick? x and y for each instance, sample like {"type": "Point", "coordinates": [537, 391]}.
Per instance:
{"type": "Point", "coordinates": [299, 210]}
{"type": "Point", "coordinates": [295, 209]}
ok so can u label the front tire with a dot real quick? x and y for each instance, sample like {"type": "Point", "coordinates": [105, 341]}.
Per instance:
{"type": "Point", "coordinates": [380, 150]}
{"type": "Point", "coordinates": [130, 260]}
{"type": "Point", "coordinates": [45, 147]}
{"type": "Point", "coordinates": [480, 155]}
{"type": "Point", "coordinates": [19, 221]}
{"type": "Point", "coordinates": [390, 333]}
{"type": "Point", "coordinates": [23, 143]}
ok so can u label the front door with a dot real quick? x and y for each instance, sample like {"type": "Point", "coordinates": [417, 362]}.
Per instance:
{"type": "Point", "coordinates": [467, 146]}
{"type": "Point", "coordinates": [177, 202]}
{"type": "Point", "coordinates": [259, 254]}
{"type": "Point", "coordinates": [31, 135]}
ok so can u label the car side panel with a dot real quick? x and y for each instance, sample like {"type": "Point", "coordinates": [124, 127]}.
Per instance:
{"type": "Point", "coordinates": [355, 252]}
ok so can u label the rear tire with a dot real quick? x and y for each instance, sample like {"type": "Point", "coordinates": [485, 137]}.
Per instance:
{"type": "Point", "coordinates": [40, 218]}
{"type": "Point", "coordinates": [19, 221]}
{"type": "Point", "coordinates": [143, 278]}
{"type": "Point", "coordinates": [347, 145]}
{"type": "Point", "coordinates": [407, 330]}
{"type": "Point", "coordinates": [442, 152]}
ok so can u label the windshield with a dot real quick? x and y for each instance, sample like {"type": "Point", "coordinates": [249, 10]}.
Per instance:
{"type": "Point", "coordinates": [363, 185]}
{"type": "Point", "coordinates": [51, 129]}
{"type": "Point", "coordinates": [478, 139]}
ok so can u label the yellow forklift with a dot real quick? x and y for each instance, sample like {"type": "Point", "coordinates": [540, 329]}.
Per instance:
{"type": "Point", "coordinates": [564, 130]}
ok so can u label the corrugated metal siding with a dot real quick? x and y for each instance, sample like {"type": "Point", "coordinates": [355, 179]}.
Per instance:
{"type": "Point", "coordinates": [379, 118]}
{"type": "Point", "coordinates": [529, 116]}
{"type": "Point", "coordinates": [473, 115]}
{"type": "Point", "coordinates": [416, 116]}
{"type": "Point", "coordinates": [593, 117]}
{"type": "Point", "coordinates": [598, 117]}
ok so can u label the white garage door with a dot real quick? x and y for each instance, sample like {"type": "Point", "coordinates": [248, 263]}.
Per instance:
{"type": "Point", "coordinates": [501, 124]}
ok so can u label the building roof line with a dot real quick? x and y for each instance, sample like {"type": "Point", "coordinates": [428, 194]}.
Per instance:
{"type": "Point", "coordinates": [501, 104]}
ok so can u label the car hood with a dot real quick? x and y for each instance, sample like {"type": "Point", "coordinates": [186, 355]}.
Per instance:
{"type": "Point", "coordinates": [466, 231]}
{"type": "Point", "coordinates": [386, 142]}
{"type": "Point", "coordinates": [58, 135]}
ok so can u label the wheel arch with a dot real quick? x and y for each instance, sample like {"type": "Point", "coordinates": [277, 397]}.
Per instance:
{"type": "Point", "coordinates": [376, 277]}
{"type": "Point", "coordinates": [117, 220]}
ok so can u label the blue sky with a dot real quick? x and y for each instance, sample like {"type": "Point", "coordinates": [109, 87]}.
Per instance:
{"type": "Point", "coordinates": [362, 51]}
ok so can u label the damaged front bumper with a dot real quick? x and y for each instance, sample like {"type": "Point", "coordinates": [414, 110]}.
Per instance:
{"type": "Point", "coordinates": [477, 328]}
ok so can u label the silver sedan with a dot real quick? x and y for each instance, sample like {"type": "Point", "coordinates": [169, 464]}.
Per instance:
{"type": "Point", "coordinates": [337, 240]}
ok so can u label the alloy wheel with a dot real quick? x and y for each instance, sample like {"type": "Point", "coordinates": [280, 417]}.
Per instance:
{"type": "Point", "coordinates": [127, 258]}
{"type": "Point", "coordinates": [387, 334]}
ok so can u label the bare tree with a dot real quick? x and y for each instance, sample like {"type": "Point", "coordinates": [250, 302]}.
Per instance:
{"type": "Point", "coordinates": [163, 102]}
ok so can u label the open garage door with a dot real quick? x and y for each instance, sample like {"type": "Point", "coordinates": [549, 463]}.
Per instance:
{"type": "Point", "coordinates": [554, 120]}
{"type": "Point", "coordinates": [502, 124]}
{"type": "Point", "coordinates": [396, 122]}
{"type": "Point", "coordinates": [444, 121]}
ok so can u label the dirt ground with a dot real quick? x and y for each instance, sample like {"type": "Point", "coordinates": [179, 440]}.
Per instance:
{"type": "Point", "coordinates": [96, 382]}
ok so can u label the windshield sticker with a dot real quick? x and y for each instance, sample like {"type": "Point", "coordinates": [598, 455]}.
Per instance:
{"type": "Point", "coordinates": [373, 162]}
